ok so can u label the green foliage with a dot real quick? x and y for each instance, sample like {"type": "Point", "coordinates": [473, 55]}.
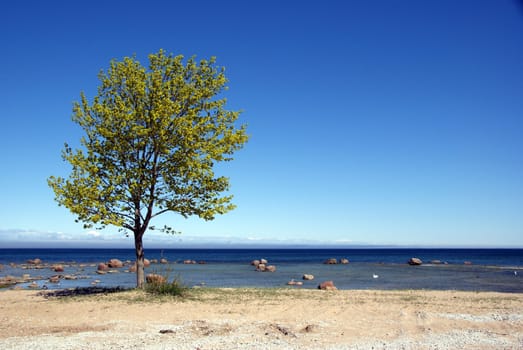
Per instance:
{"type": "Point", "coordinates": [152, 137]}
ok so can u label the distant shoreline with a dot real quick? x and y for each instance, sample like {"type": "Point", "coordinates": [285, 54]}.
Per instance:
{"type": "Point", "coordinates": [221, 246]}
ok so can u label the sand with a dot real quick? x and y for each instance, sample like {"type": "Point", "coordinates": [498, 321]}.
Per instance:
{"type": "Point", "coordinates": [263, 319]}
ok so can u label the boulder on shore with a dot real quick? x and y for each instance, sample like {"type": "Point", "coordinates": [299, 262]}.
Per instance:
{"type": "Point", "coordinates": [327, 285]}
{"type": "Point", "coordinates": [102, 267]}
{"type": "Point", "coordinates": [308, 277]}
{"type": "Point", "coordinates": [415, 261]}
{"type": "Point", "coordinates": [255, 263]}
{"type": "Point", "coordinates": [163, 261]}
{"type": "Point", "coordinates": [344, 261]}
{"type": "Point", "coordinates": [58, 268]}
{"type": "Point", "coordinates": [7, 281]}
{"type": "Point", "coordinates": [36, 261]}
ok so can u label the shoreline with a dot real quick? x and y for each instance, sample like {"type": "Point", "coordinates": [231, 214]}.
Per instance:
{"type": "Point", "coordinates": [258, 318]}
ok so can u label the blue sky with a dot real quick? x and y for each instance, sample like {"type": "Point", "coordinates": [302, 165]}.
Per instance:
{"type": "Point", "coordinates": [379, 122]}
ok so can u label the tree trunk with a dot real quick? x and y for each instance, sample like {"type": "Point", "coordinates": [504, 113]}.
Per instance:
{"type": "Point", "coordinates": [138, 245]}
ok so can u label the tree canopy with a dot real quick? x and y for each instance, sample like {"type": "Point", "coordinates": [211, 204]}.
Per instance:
{"type": "Point", "coordinates": [152, 138]}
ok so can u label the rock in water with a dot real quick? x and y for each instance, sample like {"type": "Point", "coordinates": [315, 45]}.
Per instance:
{"type": "Point", "coordinates": [102, 267]}
{"type": "Point", "coordinates": [270, 268]}
{"type": "Point", "coordinates": [327, 285]}
{"type": "Point", "coordinates": [115, 263]}
{"type": "Point", "coordinates": [415, 261]}
{"type": "Point", "coordinates": [54, 279]}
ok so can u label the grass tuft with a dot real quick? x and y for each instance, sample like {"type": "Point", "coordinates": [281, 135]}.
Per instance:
{"type": "Point", "coordinates": [174, 288]}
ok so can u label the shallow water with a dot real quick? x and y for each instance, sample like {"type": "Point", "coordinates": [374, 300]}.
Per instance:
{"type": "Point", "coordinates": [491, 270]}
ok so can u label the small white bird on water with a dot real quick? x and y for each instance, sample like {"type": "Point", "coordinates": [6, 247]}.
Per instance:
{"type": "Point", "coordinates": [375, 276]}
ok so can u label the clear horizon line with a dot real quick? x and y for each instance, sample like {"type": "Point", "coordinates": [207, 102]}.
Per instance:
{"type": "Point", "coordinates": [218, 245]}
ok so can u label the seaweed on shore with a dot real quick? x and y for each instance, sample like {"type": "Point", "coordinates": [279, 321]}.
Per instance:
{"type": "Point", "coordinates": [71, 292]}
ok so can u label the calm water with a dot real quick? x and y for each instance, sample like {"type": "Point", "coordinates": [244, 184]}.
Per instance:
{"type": "Point", "coordinates": [491, 269]}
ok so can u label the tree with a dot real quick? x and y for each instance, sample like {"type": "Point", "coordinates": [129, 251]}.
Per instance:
{"type": "Point", "coordinates": [152, 138]}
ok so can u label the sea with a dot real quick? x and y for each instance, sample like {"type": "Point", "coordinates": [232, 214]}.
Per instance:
{"type": "Point", "coordinates": [499, 270]}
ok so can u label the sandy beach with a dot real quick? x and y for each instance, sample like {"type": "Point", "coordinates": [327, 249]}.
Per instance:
{"type": "Point", "coordinates": [263, 319]}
